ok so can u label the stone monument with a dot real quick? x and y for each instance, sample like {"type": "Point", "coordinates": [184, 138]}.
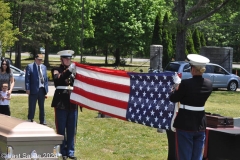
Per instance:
{"type": "Point", "coordinates": [156, 53]}
{"type": "Point", "coordinates": [222, 56]}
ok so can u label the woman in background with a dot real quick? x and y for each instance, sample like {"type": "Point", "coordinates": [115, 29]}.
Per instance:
{"type": "Point", "coordinates": [6, 75]}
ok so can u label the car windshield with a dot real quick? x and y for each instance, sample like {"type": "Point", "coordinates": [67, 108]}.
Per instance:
{"type": "Point", "coordinates": [172, 67]}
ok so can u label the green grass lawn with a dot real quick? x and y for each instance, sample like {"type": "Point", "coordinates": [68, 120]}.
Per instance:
{"type": "Point", "coordinates": [110, 138]}
{"type": "Point", "coordinates": [225, 103]}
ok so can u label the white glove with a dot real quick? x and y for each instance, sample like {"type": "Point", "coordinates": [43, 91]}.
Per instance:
{"type": "Point", "coordinates": [72, 68]}
{"type": "Point", "coordinates": [176, 79]}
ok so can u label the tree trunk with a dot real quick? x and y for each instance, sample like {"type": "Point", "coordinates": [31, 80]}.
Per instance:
{"type": "Point", "coordinates": [181, 32]}
{"type": "Point", "coordinates": [10, 54]}
{"type": "Point", "coordinates": [106, 55]}
{"type": "Point", "coordinates": [117, 56]}
{"type": "Point", "coordinates": [18, 50]}
{"type": "Point", "coordinates": [180, 45]}
{"type": "Point", "coordinates": [46, 57]}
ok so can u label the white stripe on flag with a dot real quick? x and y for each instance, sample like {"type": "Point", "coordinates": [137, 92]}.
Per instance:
{"type": "Point", "coordinates": [104, 77]}
{"type": "Point", "coordinates": [99, 106]}
{"type": "Point", "coordinates": [101, 91]}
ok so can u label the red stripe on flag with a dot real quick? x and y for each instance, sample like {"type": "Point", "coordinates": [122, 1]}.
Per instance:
{"type": "Point", "coordinates": [101, 89]}
{"type": "Point", "coordinates": [101, 99]}
{"type": "Point", "coordinates": [104, 70]}
{"type": "Point", "coordinates": [103, 84]}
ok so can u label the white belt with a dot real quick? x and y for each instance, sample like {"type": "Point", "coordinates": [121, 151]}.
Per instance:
{"type": "Point", "coordinates": [191, 108]}
{"type": "Point", "coordinates": [65, 87]}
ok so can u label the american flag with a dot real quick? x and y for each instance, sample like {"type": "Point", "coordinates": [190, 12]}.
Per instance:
{"type": "Point", "coordinates": [137, 97]}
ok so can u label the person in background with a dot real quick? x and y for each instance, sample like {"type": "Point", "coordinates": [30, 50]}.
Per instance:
{"type": "Point", "coordinates": [190, 122]}
{"type": "Point", "coordinates": [6, 75]}
{"type": "Point", "coordinates": [36, 85]}
{"type": "Point", "coordinates": [5, 100]}
{"type": "Point", "coordinates": [66, 113]}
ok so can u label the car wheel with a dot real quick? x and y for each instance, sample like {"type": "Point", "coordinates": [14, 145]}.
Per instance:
{"type": "Point", "coordinates": [232, 86]}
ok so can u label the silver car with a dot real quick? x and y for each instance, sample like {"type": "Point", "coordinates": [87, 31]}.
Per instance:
{"type": "Point", "coordinates": [19, 77]}
{"type": "Point", "coordinates": [219, 76]}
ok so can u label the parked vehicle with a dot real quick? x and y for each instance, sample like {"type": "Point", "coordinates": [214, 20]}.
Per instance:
{"type": "Point", "coordinates": [42, 50]}
{"type": "Point", "coordinates": [219, 76]}
{"type": "Point", "coordinates": [19, 77]}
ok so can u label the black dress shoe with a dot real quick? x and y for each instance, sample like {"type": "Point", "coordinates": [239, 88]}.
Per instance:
{"type": "Point", "coordinates": [72, 157]}
{"type": "Point", "coordinates": [44, 123]}
{"type": "Point", "coordinates": [64, 157]}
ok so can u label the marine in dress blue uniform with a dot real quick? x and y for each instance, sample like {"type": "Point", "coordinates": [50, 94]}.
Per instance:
{"type": "Point", "coordinates": [66, 113]}
{"type": "Point", "coordinates": [190, 122]}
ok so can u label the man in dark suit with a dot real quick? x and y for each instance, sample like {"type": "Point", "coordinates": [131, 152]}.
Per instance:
{"type": "Point", "coordinates": [190, 122]}
{"type": "Point", "coordinates": [36, 85]}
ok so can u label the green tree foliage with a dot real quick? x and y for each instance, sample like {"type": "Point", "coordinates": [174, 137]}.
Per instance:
{"type": "Point", "coordinates": [42, 17]}
{"type": "Point", "coordinates": [166, 41]}
{"type": "Point", "coordinates": [123, 27]}
{"type": "Point", "coordinates": [189, 13]}
{"type": "Point", "coordinates": [68, 33]}
{"type": "Point", "coordinates": [202, 39]}
{"type": "Point", "coordinates": [35, 20]}
{"type": "Point", "coordinates": [97, 42]}
{"type": "Point", "coordinates": [189, 44]}
{"type": "Point", "coordinates": [167, 48]}
{"type": "Point", "coordinates": [157, 31]}
{"type": "Point", "coordinates": [223, 30]}
{"type": "Point", "coordinates": [126, 25]}
{"type": "Point", "coordinates": [7, 33]}
{"type": "Point", "coordinates": [196, 40]}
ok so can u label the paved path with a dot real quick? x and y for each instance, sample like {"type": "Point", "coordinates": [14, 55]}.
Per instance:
{"type": "Point", "coordinates": [102, 58]}
{"type": "Point", "coordinates": [236, 66]}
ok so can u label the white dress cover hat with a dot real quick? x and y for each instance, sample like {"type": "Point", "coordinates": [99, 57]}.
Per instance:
{"type": "Point", "coordinates": [66, 53]}
{"type": "Point", "coordinates": [197, 60]}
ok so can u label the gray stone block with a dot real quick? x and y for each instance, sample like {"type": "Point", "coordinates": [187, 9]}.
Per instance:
{"type": "Point", "coordinates": [161, 130]}
{"type": "Point", "coordinates": [236, 122]}
{"type": "Point", "coordinates": [219, 55]}
{"type": "Point", "coordinates": [156, 54]}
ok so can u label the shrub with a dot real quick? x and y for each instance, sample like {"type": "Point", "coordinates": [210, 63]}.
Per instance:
{"type": "Point", "coordinates": [49, 75]}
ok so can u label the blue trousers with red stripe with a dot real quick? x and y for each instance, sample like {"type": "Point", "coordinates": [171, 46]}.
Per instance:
{"type": "Point", "coordinates": [66, 121]}
{"type": "Point", "coordinates": [189, 145]}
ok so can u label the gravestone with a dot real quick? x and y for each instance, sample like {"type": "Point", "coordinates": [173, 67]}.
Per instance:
{"type": "Point", "coordinates": [222, 56]}
{"type": "Point", "coordinates": [156, 53]}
